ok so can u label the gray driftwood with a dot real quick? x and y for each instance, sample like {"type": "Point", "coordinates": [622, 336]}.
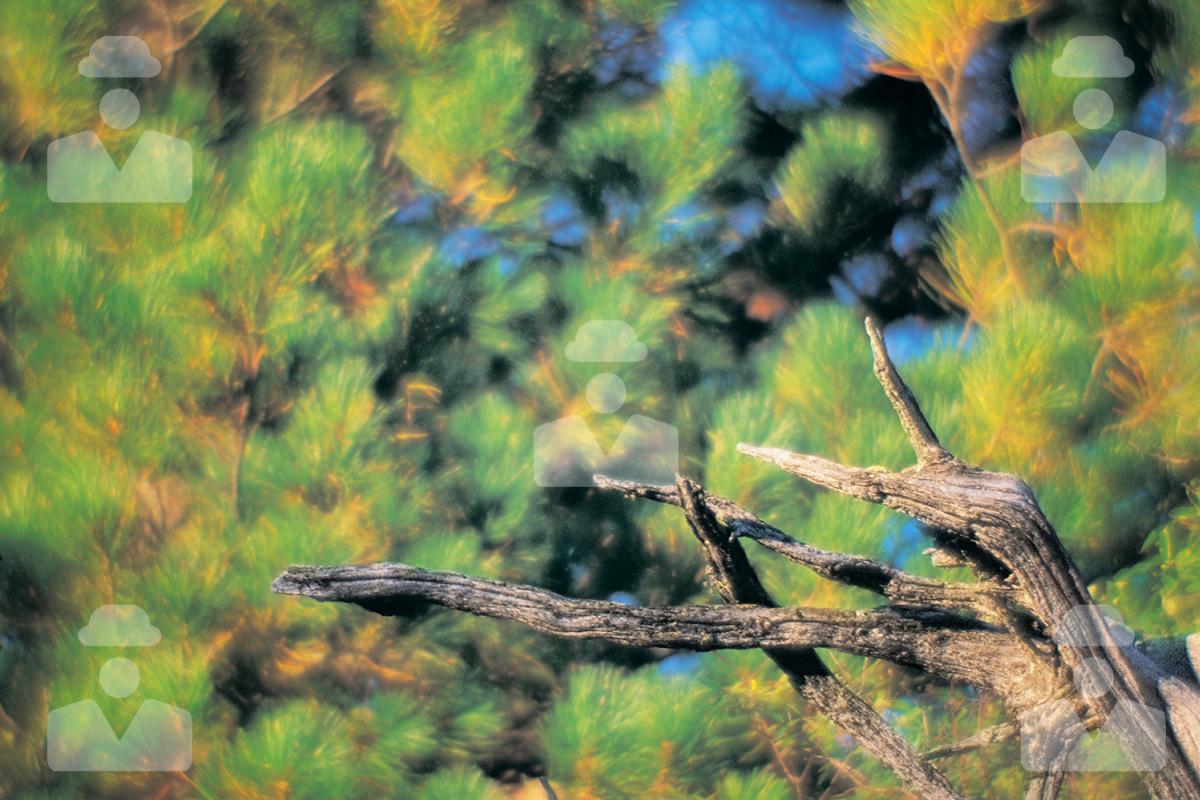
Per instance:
{"type": "Point", "coordinates": [1028, 592]}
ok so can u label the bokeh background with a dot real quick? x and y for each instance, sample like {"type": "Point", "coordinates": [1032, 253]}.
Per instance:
{"type": "Point", "coordinates": [338, 349]}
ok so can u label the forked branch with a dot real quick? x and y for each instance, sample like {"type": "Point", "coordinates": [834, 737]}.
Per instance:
{"type": "Point", "coordinates": [861, 572]}
{"type": "Point", "coordinates": [991, 520]}
{"type": "Point", "coordinates": [738, 583]}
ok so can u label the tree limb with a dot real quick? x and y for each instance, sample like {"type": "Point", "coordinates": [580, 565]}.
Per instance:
{"type": "Point", "coordinates": [924, 441]}
{"type": "Point", "coordinates": [738, 583]}
{"type": "Point", "coordinates": [1044, 786]}
{"type": "Point", "coordinates": [998, 513]}
{"type": "Point", "coordinates": [990, 519]}
{"type": "Point", "coordinates": [988, 736]}
{"type": "Point", "coordinates": [933, 641]}
{"type": "Point", "coordinates": [852, 570]}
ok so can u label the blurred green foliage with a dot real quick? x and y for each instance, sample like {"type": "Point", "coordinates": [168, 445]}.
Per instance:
{"type": "Point", "coordinates": [298, 367]}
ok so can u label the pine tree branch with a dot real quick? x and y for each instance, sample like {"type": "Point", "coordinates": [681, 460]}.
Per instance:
{"type": "Point", "coordinates": [933, 641]}
{"type": "Point", "coordinates": [852, 570]}
{"type": "Point", "coordinates": [762, 729]}
{"type": "Point", "coordinates": [988, 736]}
{"type": "Point", "coordinates": [998, 514]}
{"type": "Point", "coordinates": [924, 441]}
{"type": "Point", "coordinates": [738, 583]}
{"type": "Point", "coordinates": [947, 94]}
{"type": "Point", "coordinates": [992, 519]}
{"type": "Point", "coordinates": [1045, 786]}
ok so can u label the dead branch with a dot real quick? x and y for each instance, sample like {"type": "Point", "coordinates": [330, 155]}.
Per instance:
{"type": "Point", "coordinates": [926, 639]}
{"type": "Point", "coordinates": [852, 570]}
{"type": "Point", "coordinates": [1029, 587]}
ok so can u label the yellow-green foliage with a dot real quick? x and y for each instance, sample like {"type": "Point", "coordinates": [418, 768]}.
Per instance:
{"type": "Point", "coordinates": [1024, 388]}
{"type": "Point", "coordinates": [415, 32]}
{"type": "Point", "coordinates": [466, 127]}
{"type": "Point", "coordinates": [644, 13]}
{"type": "Point", "coordinates": [931, 36]}
{"type": "Point", "coordinates": [42, 90]}
{"type": "Point", "coordinates": [838, 154]}
{"type": "Point", "coordinates": [194, 396]}
{"type": "Point", "coordinates": [1047, 99]}
{"type": "Point", "coordinates": [676, 142]}
{"type": "Point", "coordinates": [625, 736]}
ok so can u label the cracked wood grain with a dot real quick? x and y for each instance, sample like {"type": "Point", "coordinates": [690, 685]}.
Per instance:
{"type": "Point", "coordinates": [737, 582]}
{"type": "Point", "coordinates": [937, 642]}
{"type": "Point", "coordinates": [852, 570]}
{"type": "Point", "coordinates": [991, 521]}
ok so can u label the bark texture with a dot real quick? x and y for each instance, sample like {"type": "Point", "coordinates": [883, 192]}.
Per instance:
{"type": "Point", "coordinates": [1033, 630]}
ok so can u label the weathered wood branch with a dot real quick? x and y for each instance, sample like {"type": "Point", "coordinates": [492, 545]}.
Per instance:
{"type": "Point", "coordinates": [933, 641]}
{"type": "Point", "coordinates": [924, 442]}
{"type": "Point", "coordinates": [1045, 786]}
{"type": "Point", "coordinates": [1029, 585]}
{"type": "Point", "coordinates": [852, 570]}
{"type": "Point", "coordinates": [737, 582]}
{"type": "Point", "coordinates": [992, 510]}
{"type": "Point", "coordinates": [988, 736]}
{"type": "Point", "coordinates": [998, 513]}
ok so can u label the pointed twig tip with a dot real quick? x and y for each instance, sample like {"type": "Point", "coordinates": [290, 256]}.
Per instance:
{"type": "Point", "coordinates": [924, 441]}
